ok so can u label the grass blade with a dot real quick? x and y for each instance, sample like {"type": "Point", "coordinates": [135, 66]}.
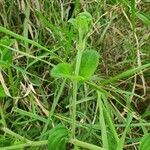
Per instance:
{"type": "Point", "coordinates": [126, 74]}
{"type": "Point", "coordinates": [102, 122]}
{"type": "Point", "coordinates": [122, 139]}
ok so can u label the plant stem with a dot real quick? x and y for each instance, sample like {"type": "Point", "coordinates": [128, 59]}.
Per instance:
{"type": "Point", "coordinates": [2, 115]}
{"type": "Point", "coordinates": [20, 146]}
{"type": "Point", "coordinates": [11, 81]}
{"type": "Point", "coordinates": [75, 90]}
{"type": "Point", "coordinates": [85, 145]}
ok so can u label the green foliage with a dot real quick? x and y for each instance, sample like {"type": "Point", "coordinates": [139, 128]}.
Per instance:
{"type": "Point", "coordinates": [145, 143]}
{"type": "Point", "coordinates": [43, 38]}
{"type": "Point", "coordinates": [82, 23]}
{"type": "Point", "coordinates": [2, 92]}
{"type": "Point", "coordinates": [58, 138]}
{"type": "Point", "coordinates": [5, 54]}
{"type": "Point", "coordinates": [122, 139]}
{"type": "Point", "coordinates": [89, 63]}
{"type": "Point", "coordinates": [143, 18]}
{"type": "Point", "coordinates": [127, 73]}
{"type": "Point", "coordinates": [63, 70]}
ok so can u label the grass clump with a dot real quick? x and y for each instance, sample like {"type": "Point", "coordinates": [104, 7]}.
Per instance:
{"type": "Point", "coordinates": [74, 75]}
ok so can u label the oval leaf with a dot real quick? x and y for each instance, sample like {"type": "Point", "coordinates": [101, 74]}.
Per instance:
{"type": "Point", "coordinates": [89, 63]}
{"type": "Point", "coordinates": [58, 138]}
{"type": "Point", "coordinates": [145, 142]}
{"type": "Point", "coordinates": [63, 70]}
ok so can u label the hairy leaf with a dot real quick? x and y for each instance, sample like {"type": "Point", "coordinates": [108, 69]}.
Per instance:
{"type": "Point", "coordinates": [82, 23]}
{"type": "Point", "coordinates": [63, 70]}
{"type": "Point", "coordinates": [89, 63]}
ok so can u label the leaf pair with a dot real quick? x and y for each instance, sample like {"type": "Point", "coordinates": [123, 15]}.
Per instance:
{"type": "Point", "coordinates": [89, 63]}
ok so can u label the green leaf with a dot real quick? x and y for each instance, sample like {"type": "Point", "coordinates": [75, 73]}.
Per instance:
{"type": "Point", "coordinates": [82, 23]}
{"type": "Point", "coordinates": [144, 18]}
{"type": "Point", "coordinates": [145, 143]}
{"type": "Point", "coordinates": [58, 138]}
{"type": "Point", "coordinates": [5, 53]}
{"type": "Point", "coordinates": [2, 92]}
{"type": "Point", "coordinates": [102, 122]}
{"type": "Point", "coordinates": [89, 63]}
{"type": "Point", "coordinates": [62, 70]}
{"type": "Point", "coordinates": [122, 138]}
{"type": "Point", "coordinates": [127, 73]}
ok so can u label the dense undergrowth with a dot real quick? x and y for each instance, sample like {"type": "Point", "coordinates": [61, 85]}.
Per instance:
{"type": "Point", "coordinates": [74, 75]}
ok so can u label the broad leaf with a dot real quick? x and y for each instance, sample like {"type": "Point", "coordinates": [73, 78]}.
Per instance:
{"type": "Point", "coordinates": [89, 63]}
{"type": "Point", "coordinates": [63, 70]}
{"type": "Point", "coordinates": [145, 143]}
{"type": "Point", "coordinates": [58, 138]}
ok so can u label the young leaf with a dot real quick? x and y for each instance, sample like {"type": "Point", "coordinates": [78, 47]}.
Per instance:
{"type": "Point", "coordinates": [89, 63]}
{"type": "Point", "coordinates": [57, 138]}
{"type": "Point", "coordinates": [2, 92]}
{"type": "Point", "coordinates": [145, 143]}
{"type": "Point", "coordinates": [82, 23]}
{"type": "Point", "coordinates": [63, 70]}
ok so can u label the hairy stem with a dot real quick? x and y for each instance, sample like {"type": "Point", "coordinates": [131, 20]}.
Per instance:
{"type": "Point", "coordinates": [75, 90]}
